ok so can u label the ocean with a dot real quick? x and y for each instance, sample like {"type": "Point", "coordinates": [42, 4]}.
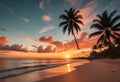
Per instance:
{"type": "Point", "coordinates": [10, 68]}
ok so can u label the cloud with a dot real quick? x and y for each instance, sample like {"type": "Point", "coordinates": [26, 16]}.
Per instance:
{"type": "Point", "coordinates": [25, 19]}
{"type": "Point", "coordinates": [10, 9]}
{"type": "Point", "coordinates": [4, 40]}
{"type": "Point", "coordinates": [3, 29]}
{"type": "Point", "coordinates": [45, 40]}
{"type": "Point", "coordinates": [41, 5]}
{"type": "Point", "coordinates": [74, 2]}
{"type": "Point", "coordinates": [88, 12]}
{"type": "Point", "coordinates": [46, 50]}
{"type": "Point", "coordinates": [26, 38]}
{"type": "Point", "coordinates": [46, 29]}
{"type": "Point", "coordinates": [58, 46]}
{"type": "Point", "coordinates": [46, 18]}
{"type": "Point", "coordinates": [15, 47]}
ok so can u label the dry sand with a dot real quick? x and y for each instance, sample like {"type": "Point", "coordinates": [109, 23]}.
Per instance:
{"type": "Point", "coordinates": [104, 70]}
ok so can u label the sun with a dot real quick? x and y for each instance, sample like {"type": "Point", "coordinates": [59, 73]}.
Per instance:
{"type": "Point", "coordinates": [67, 56]}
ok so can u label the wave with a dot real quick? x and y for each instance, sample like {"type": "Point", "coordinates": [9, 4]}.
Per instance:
{"type": "Point", "coordinates": [23, 70]}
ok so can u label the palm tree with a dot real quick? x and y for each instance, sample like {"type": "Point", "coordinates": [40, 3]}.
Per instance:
{"type": "Point", "coordinates": [71, 22]}
{"type": "Point", "coordinates": [108, 26]}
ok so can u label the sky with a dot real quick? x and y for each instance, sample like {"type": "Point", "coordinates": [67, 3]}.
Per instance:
{"type": "Point", "coordinates": [33, 25]}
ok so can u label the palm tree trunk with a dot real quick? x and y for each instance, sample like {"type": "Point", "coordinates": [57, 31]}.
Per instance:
{"type": "Point", "coordinates": [76, 41]}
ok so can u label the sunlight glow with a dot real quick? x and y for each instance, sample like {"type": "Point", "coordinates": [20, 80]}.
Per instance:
{"type": "Point", "coordinates": [67, 56]}
{"type": "Point", "coordinates": [68, 66]}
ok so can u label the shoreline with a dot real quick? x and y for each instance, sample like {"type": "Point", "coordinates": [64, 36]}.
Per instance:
{"type": "Point", "coordinates": [100, 70]}
{"type": "Point", "coordinates": [47, 73]}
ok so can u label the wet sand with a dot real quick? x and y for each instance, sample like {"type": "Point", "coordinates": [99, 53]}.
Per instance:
{"type": "Point", "coordinates": [105, 70]}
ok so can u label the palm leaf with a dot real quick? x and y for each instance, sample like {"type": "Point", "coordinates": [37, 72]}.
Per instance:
{"type": "Point", "coordinates": [97, 21]}
{"type": "Point", "coordinates": [112, 14]}
{"type": "Point", "coordinates": [97, 26]}
{"type": "Point", "coordinates": [62, 23]}
{"type": "Point", "coordinates": [76, 12]}
{"type": "Point", "coordinates": [64, 17]}
{"type": "Point", "coordinates": [78, 17]}
{"type": "Point", "coordinates": [115, 20]}
{"type": "Point", "coordinates": [116, 26]}
{"type": "Point", "coordinates": [116, 29]}
{"type": "Point", "coordinates": [100, 17]}
{"type": "Point", "coordinates": [100, 39]}
{"type": "Point", "coordinates": [77, 28]}
{"type": "Point", "coordinates": [117, 34]}
{"type": "Point", "coordinates": [65, 28]}
{"type": "Point", "coordinates": [95, 34]}
{"type": "Point", "coordinates": [70, 28]}
{"type": "Point", "coordinates": [79, 21]}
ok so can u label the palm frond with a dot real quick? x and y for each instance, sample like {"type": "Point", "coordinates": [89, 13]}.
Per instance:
{"type": "Point", "coordinates": [77, 28]}
{"type": "Point", "coordinates": [105, 15]}
{"type": "Point", "coordinates": [116, 29]}
{"type": "Point", "coordinates": [115, 20]}
{"type": "Point", "coordinates": [115, 39]}
{"type": "Point", "coordinates": [95, 34]}
{"type": "Point", "coordinates": [78, 17]}
{"type": "Point", "coordinates": [70, 28]}
{"type": "Point", "coordinates": [97, 26]}
{"type": "Point", "coordinates": [65, 28]}
{"type": "Point", "coordinates": [112, 14]}
{"type": "Point", "coordinates": [64, 17]}
{"type": "Point", "coordinates": [100, 39]}
{"type": "Point", "coordinates": [71, 9]}
{"type": "Point", "coordinates": [63, 23]}
{"type": "Point", "coordinates": [66, 11]}
{"type": "Point", "coordinates": [116, 26]}
{"type": "Point", "coordinates": [100, 17]}
{"type": "Point", "coordinates": [79, 21]}
{"type": "Point", "coordinates": [76, 12]}
{"type": "Point", "coordinates": [117, 34]}
{"type": "Point", "coordinates": [97, 21]}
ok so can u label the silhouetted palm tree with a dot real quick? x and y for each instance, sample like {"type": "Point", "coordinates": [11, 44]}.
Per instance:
{"type": "Point", "coordinates": [71, 22]}
{"type": "Point", "coordinates": [108, 26]}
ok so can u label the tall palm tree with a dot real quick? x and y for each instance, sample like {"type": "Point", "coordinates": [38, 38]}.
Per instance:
{"type": "Point", "coordinates": [108, 26]}
{"type": "Point", "coordinates": [71, 22]}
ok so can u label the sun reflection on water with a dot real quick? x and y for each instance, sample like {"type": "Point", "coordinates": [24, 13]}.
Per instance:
{"type": "Point", "coordinates": [68, 67]}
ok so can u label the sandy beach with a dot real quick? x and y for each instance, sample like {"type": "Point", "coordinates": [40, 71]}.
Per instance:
{"type": "Point", "coordinates": [105, 70]}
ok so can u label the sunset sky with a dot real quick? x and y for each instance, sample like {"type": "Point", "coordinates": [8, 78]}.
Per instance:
{"type": "Point", "coordinates": [26, 24]}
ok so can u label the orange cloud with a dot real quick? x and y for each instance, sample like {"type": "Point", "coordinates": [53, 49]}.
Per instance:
{"type": "Point", "coordinates": [58, 46]}
{"type": "Point", "coordinates": [26, 38]}
{"type": "Point", "coordinates": [45, 50]}
{"type": "Point", "coordinates": [43, 39]}
{"type": "Point", "coordinates": [4, 40]}
{"type": "Point", "coordinates": [46, 18]}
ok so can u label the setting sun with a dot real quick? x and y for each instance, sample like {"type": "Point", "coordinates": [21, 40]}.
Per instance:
{"type": "Point", "coordinates": [67, 56]}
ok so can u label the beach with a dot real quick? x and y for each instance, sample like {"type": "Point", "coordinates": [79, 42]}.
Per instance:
{"type": "Point", "coordinates": [100, 70]}
{"type": "Point", "coordinates": [105, 70]}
